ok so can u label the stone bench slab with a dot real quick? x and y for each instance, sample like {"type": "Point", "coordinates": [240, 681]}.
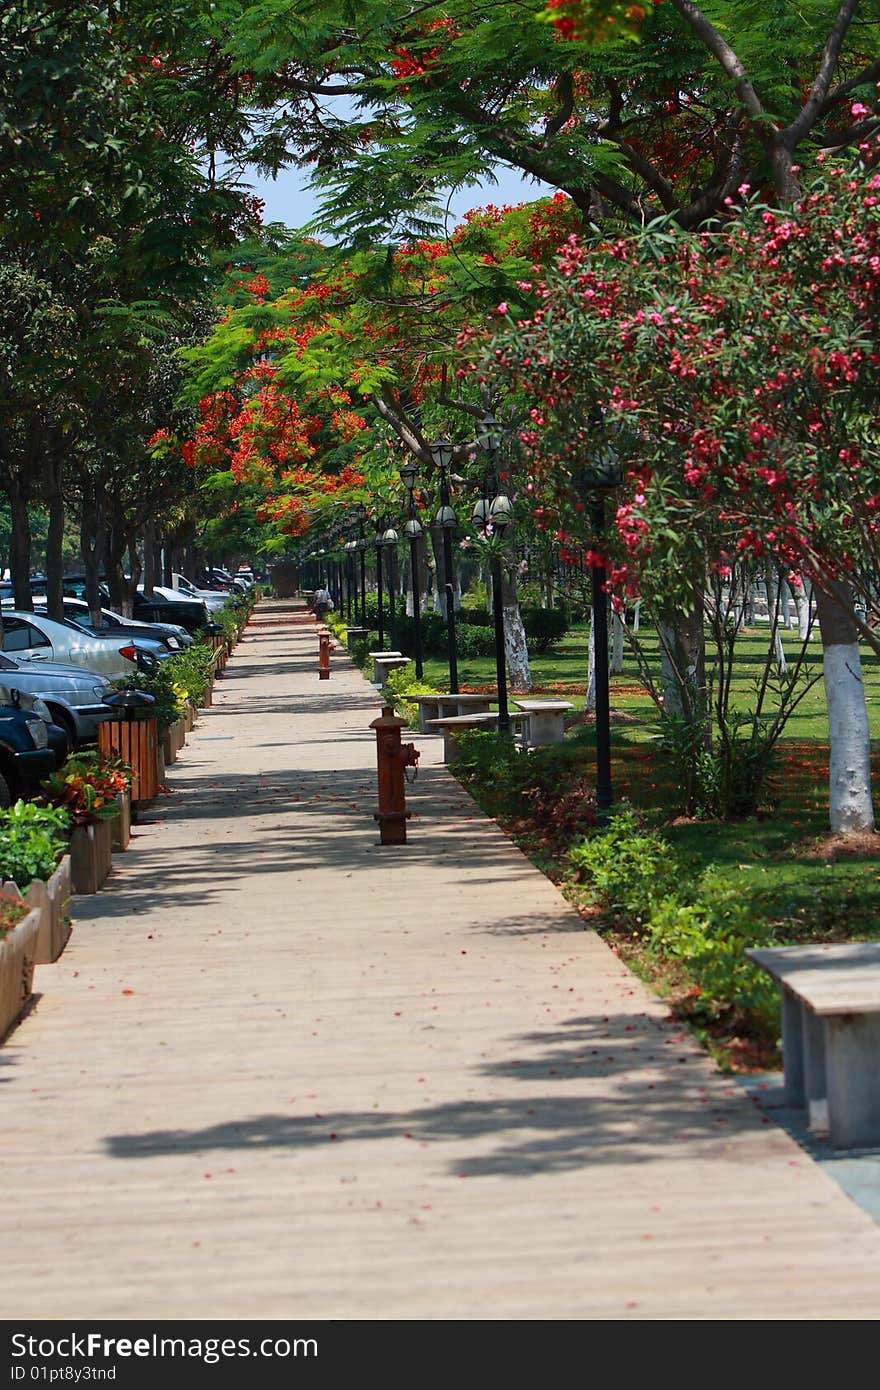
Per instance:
{"type": "Point", "coordinates": [831, 1035]}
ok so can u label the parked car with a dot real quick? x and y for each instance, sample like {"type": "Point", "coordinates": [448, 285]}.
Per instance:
{"type": "Point", "coordinates": [116, 624]}
{"type": "Point", "coordinates": [71, 697]}
{"type": "Point", "coordinates": [27, 754]}
{"type": "Point", "coordinates": [210, 597]}
{"type": "Point", "coordinates": [168, 606]}
{"type": "Point", "coordinates": [177, 612]}
{"type": "Point", "coordinates": [36, 638]}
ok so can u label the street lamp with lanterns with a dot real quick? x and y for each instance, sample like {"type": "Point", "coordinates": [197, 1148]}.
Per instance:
{"type": "Point", "coordinates": [442, 453]}
{"type": "Point", "coordinates": [386, 538]}
{"type": "Point", "coordinates": [413, 533]}
{"type": "Point", "coordinates": [350, 552]}
{"type": "Point", "coordinates": [594, 482]}
{"type": "Point", "coordinates": [389, 542]}
{"type": "Point", "coordinates": [494, 513]}
{"type": "Point", "coordinates": [361, 545]}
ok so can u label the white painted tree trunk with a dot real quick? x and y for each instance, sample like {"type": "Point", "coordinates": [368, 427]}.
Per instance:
{"type": "Point", "coordinates": [590, 696]}
{"type": "Point", "coordinates": [802, 609]}
{"type": "Point", "coordinates": [682, 662]}
{"type": "Point", "coordinates": [617, 630]}
{"type": "Point", "coordinates": [781, 662]}
{"type": "Point", "coordinates": [516, 651]}
{"type": "Point", "coordinates": [636, 615]}
{"type": "Point", "coordinates": [749, 603]}
{"type": "Point", "coordinates": [849, 737]}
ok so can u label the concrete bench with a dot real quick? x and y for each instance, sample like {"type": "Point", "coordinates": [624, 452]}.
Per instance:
{"type": "Point", "coordinates": [831, 1035]}
{"type": "Point", "coordinates": [352, 634]}
{"type": "Point", "coordinates": [546, 721]}
{"type": "Point", "coordinates": [441, 706]}
{"type": "Point", "coordinates": [460, 723]}
{"type": "Point", "coordinates": [383, 662]}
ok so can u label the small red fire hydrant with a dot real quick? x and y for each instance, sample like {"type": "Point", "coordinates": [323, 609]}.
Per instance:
{"type": "Point", "coordinates": [393, 758]}
{"type": "Point", "coordinates": [324, 656]}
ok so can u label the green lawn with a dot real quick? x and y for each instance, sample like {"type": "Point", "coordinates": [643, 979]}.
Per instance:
{"type": "Point", "coordinates": [563, 672]}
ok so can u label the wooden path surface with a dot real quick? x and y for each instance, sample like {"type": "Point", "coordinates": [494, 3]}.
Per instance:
{"type": "Point", "coordinates": [283, 1072]}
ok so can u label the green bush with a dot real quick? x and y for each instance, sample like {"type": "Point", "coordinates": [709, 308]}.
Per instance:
{"type": "Point", "coordinates": [546, 785]}
{"type": "Point", "coordinates": [476, 600]}
{"type": "Point", "coordinates": [625, 868]}
{"type": "Point", "coordinates": [190, 674]}
{"type": "Point", "coordinates": [703, 925]}
{"type": "Point", "coordinates": [32, 840]}
{"type": "Point", "coordinates": [544, 627]}
{"type": "Point", "coordinates": [402, 683]}
{"type": "Point", "coordinates": [709, 937]}
{"type": "Point", "coordinates": [167, 692]}
{"type": "Point", "coordinates": [475, 641]}
{"type": "Point", "coordinates": [433, 631]}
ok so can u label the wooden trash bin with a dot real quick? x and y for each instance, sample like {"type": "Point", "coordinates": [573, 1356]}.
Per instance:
{"type": "Point", "coordinates": [134, 737]}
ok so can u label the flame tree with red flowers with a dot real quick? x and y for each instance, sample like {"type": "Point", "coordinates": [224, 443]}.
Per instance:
{"type": "Point", "coordinates": [354, 365]}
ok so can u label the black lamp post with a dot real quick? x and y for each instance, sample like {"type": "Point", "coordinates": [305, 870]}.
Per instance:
{"type": "Point", "coordinates": [442, 451]}
{"type": "Point", "coordinates": [596, 481]}
{"type": "Point", "coordinates": [413, 533]}
{"type": "Point", "coordinates": [350, 548]}
{"type": "Point", "coordinates": [362, 551]}
{"type": "Point", "coordinates": [380, 591]}
{"type": "Point", "coordinates": [389, 542]}
{"type": "Point", "coordinates": [494, 513]}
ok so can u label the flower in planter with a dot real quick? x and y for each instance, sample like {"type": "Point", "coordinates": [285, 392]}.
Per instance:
{"type": "Point", "coordinates": [88, 787]}
{"type": "Point", "coordinates": [11, 913]}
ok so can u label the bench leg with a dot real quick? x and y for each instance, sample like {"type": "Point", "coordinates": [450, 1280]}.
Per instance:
{"type": "Point", "coordinates": [450, 747]}
{"type": "Point", "coordinates": [852, 1051]}
{"type": "Point", "coordinates": [793, 1049]}
{"type": "Point", "coordinates": [815, 1083]}
{"type": "Point", "coordinates": [544, 728]}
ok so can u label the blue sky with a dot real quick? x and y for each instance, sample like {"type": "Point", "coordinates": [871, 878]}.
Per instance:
{"type": "Point", "coordinates": [289, 200]}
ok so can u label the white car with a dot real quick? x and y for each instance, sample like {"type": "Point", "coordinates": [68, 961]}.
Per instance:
{"type": "Point", "coordinates": [184, 596]}
{"type": "Point", "coordinates": [35, 638]}
{"type": "Point", "coordinates": [212, 597]}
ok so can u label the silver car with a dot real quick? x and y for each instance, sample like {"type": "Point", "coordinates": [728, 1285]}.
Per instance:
{"type": "Point", "coordinates": [73, 698]}
{"type": "Point", "coordinates": [34, 638]}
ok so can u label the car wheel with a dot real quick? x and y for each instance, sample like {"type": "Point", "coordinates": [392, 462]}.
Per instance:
{"type": "Point", "coordinates": [5, 793]}
{"type": "Point", "coordinates": [64, 721]}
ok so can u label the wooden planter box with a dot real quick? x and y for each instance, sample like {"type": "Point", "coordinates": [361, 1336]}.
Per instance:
{"type": "Point", "coordinates": [18, 953]}
{"type": "Point", "coordinates": [189, 718]}
{"type": "Point", "coordinates": [173, 740]}
{"type": "Point", "coordinates": [136, 742]}
{"type": "Point", "coordinates": [90, 856]}
{"type": "Point", "coordinates": [120, 825]}
{"type": "Point", "coordinates": [52, 901]}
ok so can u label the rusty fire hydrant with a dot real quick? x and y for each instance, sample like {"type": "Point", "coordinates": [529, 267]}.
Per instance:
{"type": "Point", "coordinates": [324, 656]}
{"type": "Point", "coordinates": [393, 758]}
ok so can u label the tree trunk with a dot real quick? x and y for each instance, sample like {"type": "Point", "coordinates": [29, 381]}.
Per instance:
{"type": "Point", "coordinates": [52, 477]}
{"type": "Point", "coordinates": [617, 629]}
{"type": "Point", "coordinates": [149, 560]}
{"type": "Point", "coordinates": [590, 694]}
{"type": "Point", "coordinates": [20, 543]}
{"type": "Point", "coordinates": [683, 662]}
{"type": "Point", "coordinates": [515, 649]}
{"type": "Point", "coordinates": [802, 609]}
{"type": "Point", "coordinates": [849, 736]}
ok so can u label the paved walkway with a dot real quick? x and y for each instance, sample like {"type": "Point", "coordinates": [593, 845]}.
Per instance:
{"type": "Point", "coordinates": [283, 1072]}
